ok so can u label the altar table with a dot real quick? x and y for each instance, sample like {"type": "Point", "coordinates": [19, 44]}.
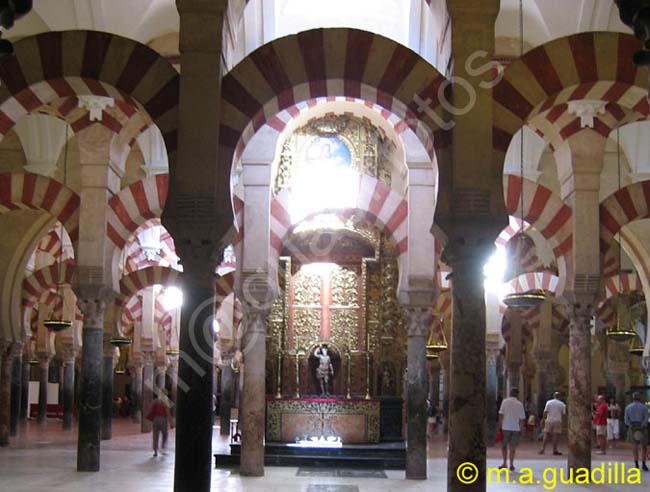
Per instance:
{"type": "Point", "coordinates": [355, 421]}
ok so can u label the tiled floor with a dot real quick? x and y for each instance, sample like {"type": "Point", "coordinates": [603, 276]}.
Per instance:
{"type": "Point", "coordinates": [44, 458]}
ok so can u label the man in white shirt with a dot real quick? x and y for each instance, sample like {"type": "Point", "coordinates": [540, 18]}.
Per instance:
{"type": "Point", "coordinates": [554, 411]}
{"type": "Point", "coordinates": [512, 420]}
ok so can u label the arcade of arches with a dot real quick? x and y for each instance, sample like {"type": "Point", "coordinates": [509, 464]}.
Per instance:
{"type": "Point", "coordinates": [216, 196]}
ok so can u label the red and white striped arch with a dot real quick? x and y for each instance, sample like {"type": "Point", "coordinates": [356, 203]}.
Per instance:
{"type": "Point", "coordinates": [623, 282]}
{"type": "Point", "coordinates": [46, 279]}
{"type": "Point", "coordinates": [35, 192]}
{"type": "Point", "coordinates": [617, 210]}
{"type": "Point", "coordinates": [147, 277]}
{"type": "Point", "coordinates": [592, 65]}
{"type": "Point", "coordinates": [134, 205]}
{"type": "Point", "coordinates": [376, 202]}
{"type": "Point", "coordinates": [546, 281]}
{"type": "Point", "coordinates": [56, 65]}
{"type": "Point", "coordinates": [543, 210]}
{"type": "Point", "coordinates": [325, 63]}
{"type": "Point", "coordinates": [136, 258]}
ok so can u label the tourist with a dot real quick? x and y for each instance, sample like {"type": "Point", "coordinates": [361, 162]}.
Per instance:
{"type": "Point", "coordinates": [512, 420]}
{"type": "Point", "coordinates": [636, 419]}
{"type": "Point", "coordinates": [159, 416]}
{"type": "Point", "coordinates": [554, 412]}
{"type": "Point", "coordinates": [600, 421]}
{"type": "Point", "coordinates": [613, 425]}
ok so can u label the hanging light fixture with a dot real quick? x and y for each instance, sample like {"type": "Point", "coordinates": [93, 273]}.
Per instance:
{"type": "Point", "coordinates": [636, 347]}
{"type": "Point", "coordinates": [437, 341]}
{"type": "Point", "coordinates": [120, 341]}
{"type": "Point", "coordinates": [530, 299]}
{"type": "Point", "coordinates": [58, 324]}
{"type": "Point", "coordinates": [622, 331]}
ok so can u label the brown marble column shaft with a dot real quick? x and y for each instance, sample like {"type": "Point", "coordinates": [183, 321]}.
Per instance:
{"type": "Point", "coordinates": [580, 396]}
{"type": "Point", "coordinates": [173, 376]}
{"type": "Point", "coordinates": [6, 366]}
{"type": "Point", "coordinates": [467, 391]}
{"type": "Point", "coordinates": [68, 389]}
{"type": "Point", "coordinates": [147, 392]}
{"type": "Point", "coordinates": [108, 378]}
{"type": "Point", "coordinates": [419, 321]}
{"type": "Point", "coordinates": [43, 377]}
{"type": "Point", "coordinates": [253, 401]}
{"type": "Point", "coordinates": [225, 405]}
{"type": "Point", "coordinates": [24, 390]}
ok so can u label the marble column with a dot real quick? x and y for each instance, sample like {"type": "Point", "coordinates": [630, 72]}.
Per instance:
{"type": "Point", "coordinates": [108, 367]}
{"type": "Point", "coordinates": [194, 411]}
{"type": "Point", "coordinates": [16, 384]}
{"type": "Point", "coordinates": [161, 372]}
{"type": "Point", "coordinates": [69, 356]}
{"type": "Point", "coordinates": [419, 322]}
{"type": "Point", "coordinates": [173, 376]}
{"type": "Point", "coordinates": [92, 302]}
{"type": "Point", "coordinates": [147, 391]}
{"type": "Point", "coordinates": [580, 395]}
{"type": "Point", "coordinates": [44, 368]}
{"type": "Point", "coordinates": [6, 366]}
{"type": "Point", "coordinates": [24, 391]}
{"type": "Point", "coordinates": [467, 393]}
{"type": "Point", "coordinates": [434, 383]}
{"type": "Point", "coordinates": [253, 400]}
{"type": "Point", "coordinates": [514, 377]}
{"type": "Point", "coordinates": [137, 367]}
{"type": "Point", "coordinates": [444, 390]}
{"type": "Point", "coordinates": [545, 386]}
{"type": "Point", "coordinates": [491, 377]}
{"type": "Point", "coordinates": [226, 398]}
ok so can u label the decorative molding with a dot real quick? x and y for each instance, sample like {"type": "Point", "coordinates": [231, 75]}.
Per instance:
{"type": "Point", "coordinates": [587, 110]}
{"type": "Point", "coordinates": [96, 105]}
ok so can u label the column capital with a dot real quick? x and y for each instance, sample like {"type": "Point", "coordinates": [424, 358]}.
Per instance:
{"type": "Point", "coordinates": [69, 354]}
{"type": "Point", "coordinates": [201, 6]}
{"type": "Point", "coordinates": [258, 291]}
{"type": "Point", "coordinates": [93, 300]}
{"type": "Point", "coordinates": [44, 360]}
{"type": "Point", "coordinates": [467, 247]}
{"type": "Point", "coordinates": [419, 320]}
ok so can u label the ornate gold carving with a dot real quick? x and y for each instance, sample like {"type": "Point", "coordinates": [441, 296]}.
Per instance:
{"type": "Point", "coordinates": [344, 323]}
{"type": "Point", "coordinates": [369, 147]}
{"type": "Point", "coordinates": [345, 287]}
{"type": "Point", "coordinates": [307, 287]}
{"type": "Point", "coordinates": [306, 328]}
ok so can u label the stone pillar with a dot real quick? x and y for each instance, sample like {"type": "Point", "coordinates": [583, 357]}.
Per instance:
{"type": "Point", "coordinates": [544, 389]}
{"type": "Point", "coordinates": [434, 383]}
{"type": "Point", "coordinates": [491, 377]}
{"type": "Point", "coordinates": [580, 395]}
{"type": "Point", "coordinates": [92, 302]}
{"type": "Point", "coordinates": [467, 394]}
{"type": "Point", "coordinates": [6, 368]}
{"type": "Point", "coordinates": [173, 376]}
{"type": "Point", "coordinates": [147, 391]}
{"type": "Point", "coordinates": [16, 384]}
{"type": "Point", "coordinates": [108, 378]}
{"type": "Point", "coordinates": [136, 388]}
{"type": "Point", "coordinates": [24, 391]}
{"type": "Point", "coordinates": [419, 322]}
{"type": "Point", "coordinates": [226, 397]}
{"type": "Point", "coordinates": [44, 368]}
{"type": "Point", "coordinates": [161, 371]}
{"type": "Point", "coordinates": [253, 400]}
{"type": "Point", "coordinates": [69, 356]}
{"type": "Point", "coordinates": [444, 390]}
{"type": "Point", "coordinates": [514, 376]}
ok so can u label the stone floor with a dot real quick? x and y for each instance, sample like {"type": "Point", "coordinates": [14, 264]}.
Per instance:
{"type": "Point", "coordinates": [44, 458]}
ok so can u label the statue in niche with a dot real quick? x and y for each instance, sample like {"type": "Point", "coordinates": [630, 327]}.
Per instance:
{"type": "Point", "coordinates": [386, 386]}
{"type": "Point", "coordinates": [325, 369]}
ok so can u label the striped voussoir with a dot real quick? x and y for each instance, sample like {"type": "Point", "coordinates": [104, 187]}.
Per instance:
{"type": "Point", "coordinates": [64, 64]}
{"type": "Point", "coordinates": [557, 124]}
{"type": "Point", "coordinates": [224, 287]}
{"type": "Point", "coordinates": [622, 283]}
{"type": "Point", "coordinates": [526, 282]}
{"type": "Point", "coordinates": [32, 191]}
{"type": "Point", "coordinates": [543, 210]}
{"type": "Point", "coordinates": [134, 282]}
{"type": "Point", "coordinates": [526, 329]}
{"type": "Point", "coordinates": [606, 312]}
{"type": "Point", "coordinates": [46, 279]}
{"type": "Point", "coordinates": [321, 63]}
{"type": "Point", "coordinates": [134, 205]}
{"type": "Point", "coordinates": [444, 304]}
{"type": "Point", "coordinates": [376, 203]}
{"type": "Point", "coordinates": [522, 252]}
{"type": "Point", "coordinates": [617, 210]}
{"type": "Point", "coordinates": [50, 243]}
{"type": "Point", "coordinates": [591, 65]}
{"type": "Point", "coordinates": [278, 123]}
